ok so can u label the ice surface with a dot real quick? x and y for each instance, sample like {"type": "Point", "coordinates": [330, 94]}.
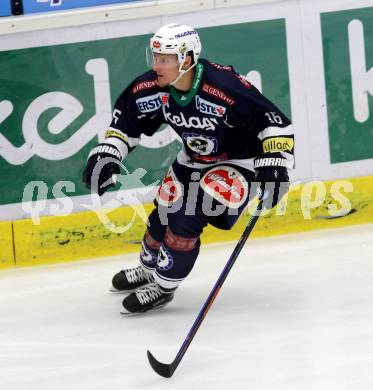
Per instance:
{"type": "Point", "coordinates": [296, 312]}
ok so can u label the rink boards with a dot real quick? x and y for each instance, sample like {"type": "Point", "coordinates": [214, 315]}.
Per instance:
{"type": "Point", "coordinates": [55, 110]}
{"type": "Point", "coordinates": [313, 205]}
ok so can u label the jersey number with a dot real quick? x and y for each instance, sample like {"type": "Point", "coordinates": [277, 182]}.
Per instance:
{"type": "Point", "coordinates": [116, 115]}
{"type": "Point", "coordinates": [273, 117]}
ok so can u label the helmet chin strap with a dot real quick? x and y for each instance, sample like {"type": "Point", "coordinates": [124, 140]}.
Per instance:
{"type": "Point", "coordinates": [182, 72]}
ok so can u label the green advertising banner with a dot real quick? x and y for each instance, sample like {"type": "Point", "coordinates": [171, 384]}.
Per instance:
{"type": "Point", "coordinates": [348, 60]}
{"type": "Point", "coordinates": [55, 100]}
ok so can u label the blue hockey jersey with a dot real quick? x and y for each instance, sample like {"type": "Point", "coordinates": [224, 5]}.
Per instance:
{"type": "Point", "coordinates": [222, 118]}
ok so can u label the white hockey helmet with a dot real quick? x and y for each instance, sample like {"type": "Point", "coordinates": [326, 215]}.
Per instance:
{"type": "Point", "coordinates": [177, 39]}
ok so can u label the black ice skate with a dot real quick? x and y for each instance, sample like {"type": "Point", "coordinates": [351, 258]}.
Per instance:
{"type": "Point", "coordinates": [130, 279]}
{"type": "Point", "coordinates": [146, 298]}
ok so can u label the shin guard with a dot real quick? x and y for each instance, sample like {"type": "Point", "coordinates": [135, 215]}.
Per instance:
{"type": "Point", "coordinates": [176, 258]}
{"type": "Point", "coordinates": [149, 253]}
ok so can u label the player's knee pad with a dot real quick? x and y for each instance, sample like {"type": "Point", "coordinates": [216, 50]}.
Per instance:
{"type": "Point", "coordinates": [227, 185]}
{"type": "Point", "coordinates": [149, 253]}
{"type": "Point", "coordinates": [176, 258]}
{"type": "Point", "coordinates": [178, 242]}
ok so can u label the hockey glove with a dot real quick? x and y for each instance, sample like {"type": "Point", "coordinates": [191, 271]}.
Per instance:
{"type": "Point", "coordinates": [272, 176]}
{"type": "Point", "coordinates": [103, 162]}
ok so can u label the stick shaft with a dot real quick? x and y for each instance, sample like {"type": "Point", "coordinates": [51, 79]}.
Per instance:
{"type": "Point", "coordinates": [215, 290]}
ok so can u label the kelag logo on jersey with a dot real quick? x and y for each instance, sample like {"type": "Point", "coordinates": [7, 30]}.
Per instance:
{"type": "Point", "coordinates": [152, 102]}
{"type": "Point", "coordinates": [207, 107]}
{"type": "Point", "coordinates": [191, 122]}
{"type": "Point", "coordinates": [200, 144]}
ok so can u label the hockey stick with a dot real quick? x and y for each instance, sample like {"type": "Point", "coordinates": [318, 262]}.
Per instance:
{"type": "Point", "coordinates": [167, 370]}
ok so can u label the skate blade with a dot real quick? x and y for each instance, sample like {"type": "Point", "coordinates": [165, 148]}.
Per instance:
{"type": "Point", "coordinates": [129, 314]}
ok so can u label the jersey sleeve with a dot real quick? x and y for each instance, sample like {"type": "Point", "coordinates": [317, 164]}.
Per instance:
{"type": "Point", "coordinates": [265, 119]}
{"type": "Point", "coordinates": [136, 112]}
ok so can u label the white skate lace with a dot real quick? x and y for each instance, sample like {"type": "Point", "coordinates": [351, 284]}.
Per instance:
{"type": "Point", "coordinates": [149, 293]}
{"type": "Point", "coordinates": [135, 275]}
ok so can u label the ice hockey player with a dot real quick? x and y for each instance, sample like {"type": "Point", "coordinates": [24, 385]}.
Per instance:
{"type": "Point", "coordinates": [232, 136]}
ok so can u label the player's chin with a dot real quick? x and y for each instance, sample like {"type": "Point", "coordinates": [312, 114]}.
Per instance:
{"type": "Point", "coordinates": [162, 82]}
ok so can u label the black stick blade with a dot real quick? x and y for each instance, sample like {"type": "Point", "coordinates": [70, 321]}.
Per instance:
{"type": "Point", "coordinates": [161, 369]}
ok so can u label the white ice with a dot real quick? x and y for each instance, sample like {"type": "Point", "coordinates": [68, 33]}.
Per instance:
{"type": "Point", "coordinates": [295, 313]}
